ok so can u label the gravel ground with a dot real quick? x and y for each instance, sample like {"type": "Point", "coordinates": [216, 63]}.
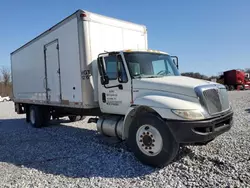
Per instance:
{"type": "Point", "coordinates": [75, 155]}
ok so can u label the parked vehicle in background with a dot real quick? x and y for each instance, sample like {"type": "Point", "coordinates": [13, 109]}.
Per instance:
{"type": "Point", "coordinates": [80, 67]}
{"type": "Point", "coordinates": [235, 79]}
{"type": "Point", "coordinates": [3, 99]}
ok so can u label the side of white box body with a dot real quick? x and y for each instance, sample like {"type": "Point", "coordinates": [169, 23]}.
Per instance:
{"type": "Point", "coordinates": [59, 66]}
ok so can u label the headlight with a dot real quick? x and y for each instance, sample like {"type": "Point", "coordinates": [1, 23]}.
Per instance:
{"type": "Point", "coordinates": [189, 114]}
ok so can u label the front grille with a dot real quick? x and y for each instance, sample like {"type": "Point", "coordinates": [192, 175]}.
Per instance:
{"type": "Point", "coordinates": [214, 99]}
{"type": "Point", "coordinates": [224, 99]}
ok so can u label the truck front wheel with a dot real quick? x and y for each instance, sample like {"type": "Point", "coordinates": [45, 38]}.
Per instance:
{"type": "Point", "coordinates": [151, 140]}
{"type": "Point", "coordinates": [243, 87]}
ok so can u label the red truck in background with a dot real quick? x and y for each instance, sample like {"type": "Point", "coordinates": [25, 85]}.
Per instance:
{"type": "Point", "coordinates": [235, 79]}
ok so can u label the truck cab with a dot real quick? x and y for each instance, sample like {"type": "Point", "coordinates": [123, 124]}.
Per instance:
{"type": "Point", "coordinates": [157, 105]}
{"type": "Point", "coordinates": [126, 75]}
{"type": "Point", "coordinates": [247, 80]}
{"type": "Point", "coordinates": [235, 79]}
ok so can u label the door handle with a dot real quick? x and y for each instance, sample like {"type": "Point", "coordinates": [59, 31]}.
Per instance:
{"type": "Point", "coordinates": [120, 86]}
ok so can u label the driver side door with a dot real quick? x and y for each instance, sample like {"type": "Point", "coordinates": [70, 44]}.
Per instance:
{"type": "Point", "coordinates": [114, 96]}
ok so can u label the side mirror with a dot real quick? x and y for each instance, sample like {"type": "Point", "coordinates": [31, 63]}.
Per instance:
{"type": "Point", "coordinates": [175, 60]}
{"type": "Point", "coordinates": [104, 78]}
{"type": "Point", "coordinates": [119, 76]}
{"type": "Point", "coordinates": [119, 72]}
{"type": "Point", "coordinates": [120, 68]}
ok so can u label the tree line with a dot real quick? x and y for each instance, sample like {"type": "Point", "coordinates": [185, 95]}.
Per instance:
{"type": "Point", "coordinates": [5, 82]}
{"type": "Point", "coordinates": [204, 77]}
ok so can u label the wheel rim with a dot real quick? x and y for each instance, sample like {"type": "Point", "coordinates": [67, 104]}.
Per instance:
{"type": "Point", "coordinates": [149, 140]}
{"type": "Point", "coordinates": [32, 116]}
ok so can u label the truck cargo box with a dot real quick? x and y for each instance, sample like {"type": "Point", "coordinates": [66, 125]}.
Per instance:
{"type": "Point", "coordinates": [57, 67]}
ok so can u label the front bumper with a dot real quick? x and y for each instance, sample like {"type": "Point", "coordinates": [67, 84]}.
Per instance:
{"type": "Point", "coordinates": [201, 131]}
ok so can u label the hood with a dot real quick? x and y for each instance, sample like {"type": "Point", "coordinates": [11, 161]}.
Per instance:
{"type": "Point", "coordinates": [175, 84]}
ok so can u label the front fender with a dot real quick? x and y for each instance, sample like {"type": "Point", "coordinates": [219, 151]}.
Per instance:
{"type": "Point", "coordinates": [162, 105]}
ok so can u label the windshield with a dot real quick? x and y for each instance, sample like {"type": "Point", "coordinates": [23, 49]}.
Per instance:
{"type": "Point", "coordinates": [146, 64]}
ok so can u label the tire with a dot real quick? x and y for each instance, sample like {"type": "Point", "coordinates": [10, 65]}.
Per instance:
{"type": "Point", "coordinates": [231, 88]}
{"type": "Point", "coordinates": [74, 118]}
{"type": "Point", "coordinates": [27, 112]}
{"type": "Point", "coordinates": [46, 116]}
{"type": "Point", "coordinates": [163, 148]}
{"type": "Point", "coordinates": [35, 117]}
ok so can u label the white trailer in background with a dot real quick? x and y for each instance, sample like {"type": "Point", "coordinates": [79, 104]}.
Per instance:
{"type": "Point", "coordinates": [80, 67]}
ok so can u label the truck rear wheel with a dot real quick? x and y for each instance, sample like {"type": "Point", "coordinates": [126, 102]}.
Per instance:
{"type": "Point", "coordinates": [46, 116]}
{"type": "Point", "coordinates": [35, 116]}
{"type": "Point", "coordinates": [151, 140]}
{"type": "Point", "coordinates": [231, 88]}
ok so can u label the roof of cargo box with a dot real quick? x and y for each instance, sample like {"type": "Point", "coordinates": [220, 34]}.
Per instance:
{"type": "Point", "coordinates": [101, 18]}
{"type": "Point", "coordinates": [82, 13]}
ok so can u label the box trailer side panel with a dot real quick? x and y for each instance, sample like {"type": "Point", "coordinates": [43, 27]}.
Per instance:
{"type": "Point", "coordinates": [54, 56]}
{"type": "Point", "coordinates": [104, 34]}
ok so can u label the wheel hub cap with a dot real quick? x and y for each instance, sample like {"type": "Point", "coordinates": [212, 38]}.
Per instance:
{"type": "Point", "coordinates": [149, 140]}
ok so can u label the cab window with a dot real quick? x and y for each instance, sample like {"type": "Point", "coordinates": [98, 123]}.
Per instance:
{"type": "Point", "coordinates": [113, 64]}
{"type": "Point", "coordinates": [111, 67]}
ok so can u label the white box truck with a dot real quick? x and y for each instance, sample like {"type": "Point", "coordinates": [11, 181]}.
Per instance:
{"type": "Point", "coordinates": [92, 65]}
